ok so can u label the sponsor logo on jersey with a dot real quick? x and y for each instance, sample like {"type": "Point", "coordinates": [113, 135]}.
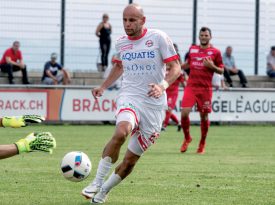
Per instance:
{"type": "Point", "coordinates": [126, 47]}
{"type": "Point", "coordinates": [194, 50]}
{"type": "Point", "coordinates": [138, 55]}
{"type": "Point", "coordinates": [139, 69]}
{"type": "Point", "coordinates": [209, 53]}
{"type": "Point", "coordinates": [198, 58]}
{"type": "Point", "coordinates": [149, 43]}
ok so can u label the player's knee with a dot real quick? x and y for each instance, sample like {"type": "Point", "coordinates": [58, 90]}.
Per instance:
{"type": "Point", "coordinates": [120, 135]}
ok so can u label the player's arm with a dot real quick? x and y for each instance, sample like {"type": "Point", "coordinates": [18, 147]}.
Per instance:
{"type": "Point", "coordinates": [156, 90]}
{"type": "Point", "coordinates": [174, 72]}
{"type": "Point", "coordinates": [20, 121]}
{"type": "Point", "coordinates": [43, 141]}
{"type": "Point", "coordinates": [115, 73]}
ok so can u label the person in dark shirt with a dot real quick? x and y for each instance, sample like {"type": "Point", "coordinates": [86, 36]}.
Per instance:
{"type": "Point", "coordinates": [103, 31]}
{"type": "Point", "coordinates": [51, 76]}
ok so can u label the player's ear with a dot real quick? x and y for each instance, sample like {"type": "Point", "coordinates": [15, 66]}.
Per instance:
{"type": "Point", "coordinates": [143, 20]}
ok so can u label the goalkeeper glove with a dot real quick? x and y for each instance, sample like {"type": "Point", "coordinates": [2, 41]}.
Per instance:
{"type": "Point", "coordinates": [21, 121]}
{"type": "Point", "coordinates": [41, 141]}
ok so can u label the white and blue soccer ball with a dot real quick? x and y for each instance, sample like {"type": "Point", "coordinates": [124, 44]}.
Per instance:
{"type": "Point", "coordinates": [76, 166]}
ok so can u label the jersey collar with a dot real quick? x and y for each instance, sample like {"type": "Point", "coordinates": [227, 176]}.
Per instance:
{"type": "Point", "coordinates": [138, 37]}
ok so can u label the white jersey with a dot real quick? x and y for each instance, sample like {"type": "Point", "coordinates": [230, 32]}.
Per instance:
{"type": "Point", "coordinates": [143, 61]}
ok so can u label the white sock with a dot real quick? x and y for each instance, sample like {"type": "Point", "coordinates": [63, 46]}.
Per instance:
{"type": "Point", "coordinates": [103, 169]}
{"type": "Point", "coordinates": [112, 181]}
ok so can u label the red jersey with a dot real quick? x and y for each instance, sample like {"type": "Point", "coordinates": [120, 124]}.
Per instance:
{"type": "Point", "coordinates": [15, 56]}
{"type": "Point", "coordinates": [201, 76]}
{"type": "Point", "coordinates": [174, 87]}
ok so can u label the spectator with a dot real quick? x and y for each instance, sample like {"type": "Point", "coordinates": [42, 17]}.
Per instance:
{"type": "Point", "coordinates": [218, 82]}
{"type": "Point", "coordinates": [12, 61]}
{"type": "Point", "coordinates": [271, 63]}
{"type": "Point", "coordinates": [103, 31]}
{"type": "Point", "coordinates": [231, 69]}
{"type": "Point", "coordinates": [51, 75]}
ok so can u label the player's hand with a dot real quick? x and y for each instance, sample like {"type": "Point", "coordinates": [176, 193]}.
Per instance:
{"type": "Point", "coordinates": [207, 62]}
{"type": "Point", "coordinates": [155, 90]}
{"type": "Point", "coordinates": [40, 141]}
{"type": "Point", "coordinates": [21, 121]}
{"type": "Point", "coordinates": [97, 92]}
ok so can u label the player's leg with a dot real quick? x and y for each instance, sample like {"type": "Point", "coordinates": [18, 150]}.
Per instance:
{"type": "Point", "coordinates": [141, 139]}
{"type": "Point", "coordinates": [168, 113]}
{"type": "Point", "coordinates": [204, 107]}
{"type": "Point", "coordinates": [120, 173]}
{"type": "Point", "coordinates": [125, 122]}
{"type": "Point", "coordinates": [174, 118]}
{"type": "Point", "coordinates": [188, 102]}
{"type": "Point", "coordinates": [204, 130]}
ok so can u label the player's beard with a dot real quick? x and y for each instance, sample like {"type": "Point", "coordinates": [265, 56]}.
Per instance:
{"type": "Point", "coordinates": [204, 43]}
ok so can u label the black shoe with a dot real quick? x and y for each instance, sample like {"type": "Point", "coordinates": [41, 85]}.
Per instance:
{"type": "Point", "coordinates": [163, 129]}
{"type": "Point", "coordinates": [179, 128]}
{"type": "Point", "coordinates": [244, 86]}
{"type": "Point", "coordinates": [231, 85]}
{"type": "Point", "coordinates": [11, 82]}
{"type": "Point", "coordinates": [26, 83]}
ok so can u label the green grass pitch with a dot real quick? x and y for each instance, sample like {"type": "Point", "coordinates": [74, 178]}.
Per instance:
{"type": "Point", "coordinates": [238, 168]}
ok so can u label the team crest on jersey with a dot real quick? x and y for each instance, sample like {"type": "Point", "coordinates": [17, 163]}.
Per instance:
{"type": "Point", "coordinates": [149, 43]}
{"type": "Point", "coordinates": [126, 47]}
{"type": "Point", "coordinates": [194, 50]}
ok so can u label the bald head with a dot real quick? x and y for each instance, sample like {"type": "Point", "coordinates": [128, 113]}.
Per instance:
{"type": "Point", "coordinates": [134, 9]}
{"type": "Point", "coordinates": [133, 20]}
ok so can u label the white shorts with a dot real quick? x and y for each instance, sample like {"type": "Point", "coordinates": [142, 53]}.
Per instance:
{"type": "Point", "coordinates": [146, 125]}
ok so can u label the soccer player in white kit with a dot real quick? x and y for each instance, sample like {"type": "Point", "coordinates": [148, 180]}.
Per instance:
{"type": "Point", "coordinates": [141, 58]}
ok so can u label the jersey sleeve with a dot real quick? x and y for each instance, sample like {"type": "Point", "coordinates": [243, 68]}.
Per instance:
{"type": "Point", "coordinates": [167, 49]}
{"type": "Point", "coordinates": [218, 60]}
{"type": "Point", "coordinates": [46, 66]}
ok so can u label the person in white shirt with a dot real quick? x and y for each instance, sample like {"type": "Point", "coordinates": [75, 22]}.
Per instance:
{"type": "Point", "coordinates": [141, 59]}
{"type": "Point", "coordinates": [218, 82]}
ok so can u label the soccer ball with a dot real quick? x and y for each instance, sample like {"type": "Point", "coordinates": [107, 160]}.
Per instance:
{"type": "Point", "coordinates": [76, 166]}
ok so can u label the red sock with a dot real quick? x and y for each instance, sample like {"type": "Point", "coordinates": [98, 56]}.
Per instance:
{"type": "Point", "coordinates": [204, 129]}
{"type": "Point", "coordinates": [185, 124]}
{"type": "Point", "coordinates": [174, 118]}
{"type": "Point", "coordinates": [167, 118]}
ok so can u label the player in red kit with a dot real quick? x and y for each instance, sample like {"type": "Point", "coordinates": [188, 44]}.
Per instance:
{"type": "Point", "coordinates": [204, 60]}
{"type": "Point", "coordinates": [172, 95]}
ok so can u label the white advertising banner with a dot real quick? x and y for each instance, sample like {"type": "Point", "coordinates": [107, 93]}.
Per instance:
{"type": "Point", "coordinates": [226, 106]}
{"type": "Point", "coordinates": [80, 105]}
{"type": "Point", "coordinates": [19, 102]}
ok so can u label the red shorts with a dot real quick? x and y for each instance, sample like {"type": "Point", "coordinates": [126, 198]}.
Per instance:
{"type": "Point", "coordinates": [172, 99]}
{"type": "Point", "coordinates": [202, 97]}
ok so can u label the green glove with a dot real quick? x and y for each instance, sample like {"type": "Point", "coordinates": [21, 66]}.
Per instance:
{"type": "Point", "coordinates": [21, 121]}
{"type": "Point", "coordinates": [40, 141]}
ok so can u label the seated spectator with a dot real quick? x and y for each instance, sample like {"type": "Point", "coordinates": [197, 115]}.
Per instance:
{"type": "Point", "coordinates": [51, 76]}
{"type": "Point", "coordinates": [231, 69]}
{"type": "Point", "coordinates": [270, 69]}
{"type": "Point", "coordinates": [12, 61]}
{"type": "Point", "coordinates": [218, 82]}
